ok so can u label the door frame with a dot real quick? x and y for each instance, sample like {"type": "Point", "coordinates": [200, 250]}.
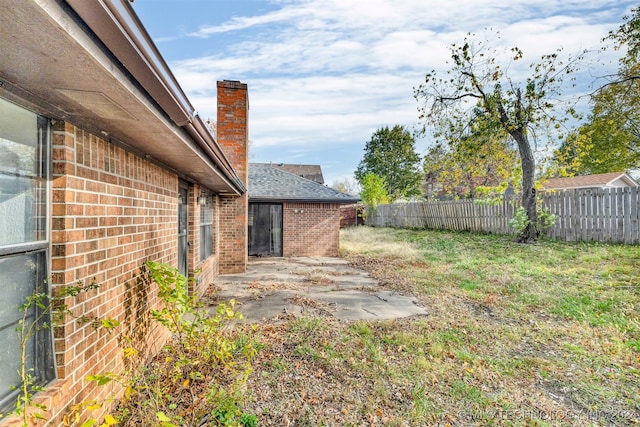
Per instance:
{"type": "Point", "coordinates": [183, 228]}
{"type": "Point", "coordinates": [274, 235]}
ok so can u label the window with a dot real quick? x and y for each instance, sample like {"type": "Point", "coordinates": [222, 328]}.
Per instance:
{"type": "Point", "coordinates": [24, 245]}
{"type": "Point", "coordinates": [206, 225]}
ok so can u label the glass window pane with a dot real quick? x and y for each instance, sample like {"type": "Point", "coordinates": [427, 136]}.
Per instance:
{"type": "Point", "coordinates": [18, 125]}
{"type": "Point", "coordinates": [10, 377]}
{"type": "Point", "coordinates": [206, 227]}
{"type": "Point", "coordinates": [18, 276]}
{"type": "Point", "coordinates": [21, 276]}
{"type": "Point", "coordinates": [22, 176]}
{"type": "Point", "coordinates": [206, 241]}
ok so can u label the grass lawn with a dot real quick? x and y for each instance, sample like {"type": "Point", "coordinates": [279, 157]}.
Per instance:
{"type": "Point", "coordinates": [540, 334]}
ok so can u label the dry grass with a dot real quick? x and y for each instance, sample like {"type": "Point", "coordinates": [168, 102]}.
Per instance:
{"type": "Point", "coordinates": [376, 242]}
{"type": "Point", "coordinates": [542, 334]}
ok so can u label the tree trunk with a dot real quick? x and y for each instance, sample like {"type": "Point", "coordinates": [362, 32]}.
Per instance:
{"type": "Point", "coordinates": [528, 163]}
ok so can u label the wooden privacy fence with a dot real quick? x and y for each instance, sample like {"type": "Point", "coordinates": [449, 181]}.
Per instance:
{"type": "Point", "coordinates": [605, 215]}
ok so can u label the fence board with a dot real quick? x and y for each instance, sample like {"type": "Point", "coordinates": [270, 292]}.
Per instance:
{"type": "Point", "coordinates": [619, 217]}
{"type": "Point", "coordinates": [605, 215]}
{"type": "Point", "coordinates": [607, 219]}
{"type": "Point", "coordinates": [635, 216]}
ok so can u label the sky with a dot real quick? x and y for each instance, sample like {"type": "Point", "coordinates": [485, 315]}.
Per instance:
{"type": "Point", "coordinates": [324, 75]}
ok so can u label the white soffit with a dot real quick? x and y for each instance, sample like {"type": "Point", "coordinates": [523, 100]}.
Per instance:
{"type": "Point", "coordinates": [98, 103]}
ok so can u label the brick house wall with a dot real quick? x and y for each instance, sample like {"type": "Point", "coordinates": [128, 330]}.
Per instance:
{"type": "Point", "coordinates": [121, 137]}
{"type": "Point", "coordinates": [310, 229]}
{"type": "Point", "coordinates": [233, 234]}
{"type": "Point", "coordinates": [111, 211]}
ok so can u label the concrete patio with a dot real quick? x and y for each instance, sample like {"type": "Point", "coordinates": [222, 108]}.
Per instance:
{"type": "Point", "coordinates": [278, 289]}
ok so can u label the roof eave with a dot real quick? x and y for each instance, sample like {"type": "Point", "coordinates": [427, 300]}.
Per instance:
{"type": "Point", "coordinates": [117, 26]}
{"type": "Point", "coordinates": [293, 200]}
{"type": "Point", "coordinates": [624, 177]}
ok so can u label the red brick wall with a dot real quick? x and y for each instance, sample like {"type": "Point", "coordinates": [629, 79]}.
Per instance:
{"type": "Point", "coordinates": [111, 212]}
{"type": "Point", "coordinates": [310, 229]}
{"type": "Point", "coordinates": [233, 234]}
{"type": "Point", "coordinates": [232, 136]}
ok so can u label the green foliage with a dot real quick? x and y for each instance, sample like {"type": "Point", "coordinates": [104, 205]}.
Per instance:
{"type": "Point", "coordinates": [521, 222]}
{"type": "Point", "coordinates": [203, 357]}
{"type": "Point", "coordinates": [27, 329]}
{"type": "Point", "coordinates": [226, 411]}
{"type": "Point", "coordinates": [472, 168]}
{"type": "Point", "coordinates": [50, 311]}
{"type": "Point", "coordinates": [173, 290]}
{"type": "Point", "coordinates": [628, 36]}
{"type": "Point", "coordinates": [609, 141]}
{"type": "Point", "coordinates": [605, 144]}
{"type": "Point", "coordinates": [391, 155]}
{"type": "Point", "coordinates": [373, 191]}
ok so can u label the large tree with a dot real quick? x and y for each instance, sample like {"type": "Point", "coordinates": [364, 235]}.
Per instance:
{"type": "Point", "coordinates": [391, 155]}
{"type": "Point", "coordinates": [610, 139]}
{"type": "Point", "coordinates": [477, 94]}
{"type": "Point", "coordinates": [347, 186]}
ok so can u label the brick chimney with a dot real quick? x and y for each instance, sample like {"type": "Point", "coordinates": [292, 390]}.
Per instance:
{"type": "Point", "coordinates": [232, 127]}
{"type": "Point", "coordinates": [233, 137]}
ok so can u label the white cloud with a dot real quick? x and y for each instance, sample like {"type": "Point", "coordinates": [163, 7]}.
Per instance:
{"type": "Point", "coordinates": [244, 22]}
{"type": "Point", "coordinates": [330, 72]}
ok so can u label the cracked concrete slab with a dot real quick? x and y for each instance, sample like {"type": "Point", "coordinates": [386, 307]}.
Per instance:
{"type": "Point", "coordinates": [275, 289]}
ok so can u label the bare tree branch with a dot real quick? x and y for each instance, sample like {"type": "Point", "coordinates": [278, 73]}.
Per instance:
{"type": "Point", "coordinates": [615, 82]}
{"type": "Point", "coordinates": [459, 97]}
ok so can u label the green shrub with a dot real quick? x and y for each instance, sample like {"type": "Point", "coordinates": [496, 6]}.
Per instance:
{"type": "Point", "coordinates": [204, 358]}
{"type": "Point", "coordinates": [198, 375]}
{"type": "Point", "coordinates": [520, 220]}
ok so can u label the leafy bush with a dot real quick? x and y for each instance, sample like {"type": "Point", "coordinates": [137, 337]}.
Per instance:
{"type": "Point", "coordinates": [520, 220]}
{"type": "Point", "coordinates": [199, 375]}
{"type": "Point", "coordinates": [197, 378]}
{"type": "Point", "coordinates": [50, 312]}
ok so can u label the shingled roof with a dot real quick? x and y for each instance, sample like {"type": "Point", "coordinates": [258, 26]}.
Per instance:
{"type": "Point", "coordinates": [270, 184]}
{"type": "Point", "coordinates": [601, 180]}
{"type": "Point", "coordinates": [312, 172]}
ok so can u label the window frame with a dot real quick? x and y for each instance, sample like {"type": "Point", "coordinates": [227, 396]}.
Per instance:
{"type": "Point", "coordinates": [206, 226]}
{"type": "Point", "coordinates": [41, 348]}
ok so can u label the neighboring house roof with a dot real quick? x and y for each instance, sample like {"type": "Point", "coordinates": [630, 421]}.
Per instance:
{"type": "Point", "coordinates": [602, 180]}
{"type": "Point", "coordinates": [271, 184]}
{"type": "Point", "coordinates": [94, 65]}
{"type": "Point", "coordinates": [312, 172]}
